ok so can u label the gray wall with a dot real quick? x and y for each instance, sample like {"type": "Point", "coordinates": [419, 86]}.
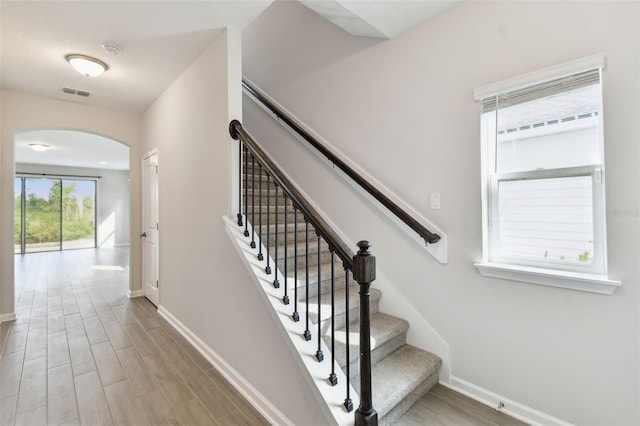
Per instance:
{"type": "Point", "coordinates": [403, 110]}
{"type": "Point", "coordinates": [113, 212]}
{"type": "Point", "coordinates": [203, 283]}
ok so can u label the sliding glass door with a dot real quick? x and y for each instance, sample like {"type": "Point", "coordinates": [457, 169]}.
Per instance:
{"type": "Point", "coordinates": [78, 214]}
{"type": "Point", "coordinates": [17, 230]}
{"type": "Point", "coordinates": [54, 214]}
{"type": "Point", "coordinates": [41, 215]}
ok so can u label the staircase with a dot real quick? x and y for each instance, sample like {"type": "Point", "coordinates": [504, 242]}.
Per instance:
{"type": "Point", "coordinates": [401, 373]}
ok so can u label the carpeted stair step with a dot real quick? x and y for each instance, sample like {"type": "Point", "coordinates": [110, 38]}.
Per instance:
{"type": "Point", "coordinates": [255, 216]}
{"type": "Point", "coordinates": [325, 255]}
{"type": "Point", "coordinates": [400, 380]}
{"type": "Point", "coordinates": [388, 333]}
{"type": "Point", "coordinates": [254, 197]}
{"type": "Point", "coordinates": [290, 235]}
{"type": "Point", "coordinates": [339, 308]}
{"type": "Point", "coordinates": [325, 283]}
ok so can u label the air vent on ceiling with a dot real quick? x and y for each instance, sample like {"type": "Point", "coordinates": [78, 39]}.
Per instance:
{"type": "Point", "coordinates": [78, 92]}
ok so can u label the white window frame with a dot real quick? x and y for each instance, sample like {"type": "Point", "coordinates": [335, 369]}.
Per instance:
{"type": "Point", "coordinates": [588, 277]}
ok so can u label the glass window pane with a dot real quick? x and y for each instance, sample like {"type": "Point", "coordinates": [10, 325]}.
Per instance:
{"type": "Point", "coordinates": [42, 214]}
{"type": "Point", "coordinates": [548, 133]}
{"type": "Point", "coordinates": [547, 220]}
{"type": "Point", "coordinates": [17, 233]}
{"type": "Point", "coordinates": [78, 214]}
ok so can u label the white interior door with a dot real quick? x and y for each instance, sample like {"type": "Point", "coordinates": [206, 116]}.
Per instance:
{"type": "Point", "coordinates": [150, 228]}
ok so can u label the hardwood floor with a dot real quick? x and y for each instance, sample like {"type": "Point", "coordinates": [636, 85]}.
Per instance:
{"type": "Point", "coordinates": [445, 407]}
{"type": "Point", "coordinates": [82, 353]}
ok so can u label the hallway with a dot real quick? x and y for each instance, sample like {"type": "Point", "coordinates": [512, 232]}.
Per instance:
{"type": "Point", "coordinates": [82, 352]}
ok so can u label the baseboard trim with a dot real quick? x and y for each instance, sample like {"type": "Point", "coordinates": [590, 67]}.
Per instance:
{"type": "Point", "coordinates": [132, 294]}
{"type": "Point", "coordinates": [509, 406]}
{"type": "Point", "coordinates": [8, 317]}
{"type": "Point", "coordinates": [255, 398]}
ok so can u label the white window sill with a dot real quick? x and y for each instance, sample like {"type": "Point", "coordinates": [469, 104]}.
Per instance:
{"type": "Point", "coordinates": [555, 278]}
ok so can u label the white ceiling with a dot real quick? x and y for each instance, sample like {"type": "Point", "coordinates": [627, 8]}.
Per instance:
{"type": "Point", "coordinates": [159, 39]}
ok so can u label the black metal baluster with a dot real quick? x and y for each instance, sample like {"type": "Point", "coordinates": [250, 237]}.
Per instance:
{"type": "Point", "coordinates": [239, 183]}
{"type": "Point", "coordinates": [276, 283]}
{"type": "Point", "coordinates": [246, 191]}
{"type": "Point", "coordinates": [260, 256]}
{"type": "Point", "coordinates": [253, 201]}
{"type": "Point", "coordinates": [333, 379]}
{"type": "Point", "coordinates": [295, 315]}
{"type": "Point", "coordinates": [267, 269]}
{"type": "Point", "coordinates": [319, 354]}
{"type": "Point", "coordinates": [307, 332]}
{"type": "Point", "coordinates": [348, 403]}
{"type": "Point", "coordinates": [285, 298]}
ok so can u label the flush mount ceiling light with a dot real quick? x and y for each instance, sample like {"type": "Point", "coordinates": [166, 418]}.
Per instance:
{"type": "Point", "coordinates": [86, 65]}
{"type": "Point", "coordinates": [40, 147]}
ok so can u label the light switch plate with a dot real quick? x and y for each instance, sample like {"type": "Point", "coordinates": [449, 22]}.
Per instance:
{"type": "Point", "coordinates": [434, 201]}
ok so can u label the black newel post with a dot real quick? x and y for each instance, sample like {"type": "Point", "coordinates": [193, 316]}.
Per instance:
{"type": "Point", "coordinates": [364, 272]}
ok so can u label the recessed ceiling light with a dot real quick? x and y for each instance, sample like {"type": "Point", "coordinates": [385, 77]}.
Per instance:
{"type": "Point", "coordinates": [40, 147]}
{"type": "Point", "coordinates": [103, 162]}
{"type": "Point", "coordinates": [86, 65]}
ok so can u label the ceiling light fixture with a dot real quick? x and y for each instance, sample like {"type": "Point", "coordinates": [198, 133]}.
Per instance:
{"type": "Point", "coordinates": [86, 65]}
{"type": "Point", "coordinates": [40, 147]}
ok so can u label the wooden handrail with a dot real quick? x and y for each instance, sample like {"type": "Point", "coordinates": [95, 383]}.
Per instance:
{"type": "Point", "coordinates": [237, 132]}
{"type": "Point", "coordinates": [428, 236]}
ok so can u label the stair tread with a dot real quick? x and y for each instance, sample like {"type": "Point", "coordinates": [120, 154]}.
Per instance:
{"type": "Point", "coordinates": [325, 303]}
{"type": "Point", "coordinates": [384, 327]}
{"type": "Point", "coordinates": [339, 273]}
{"type": "Point", "coordinates": [399, 374]}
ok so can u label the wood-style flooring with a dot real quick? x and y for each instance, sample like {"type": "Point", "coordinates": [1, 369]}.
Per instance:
{"type": "Point", "coordinates": [445, 407]}
{"type": "Point", "coordinates": [82, 353]}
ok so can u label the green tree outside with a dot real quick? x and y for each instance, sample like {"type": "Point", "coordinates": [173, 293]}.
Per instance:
{"type": "Point", "coordinates": [43, 216]}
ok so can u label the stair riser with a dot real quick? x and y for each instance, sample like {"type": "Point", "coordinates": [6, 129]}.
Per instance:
{"type": "Point", "coordinates": [340, 317]}
{"type": "Point", "coordinates": [272, 202]}
{"type": "Point", "coordinates": [273, 219]}
{"type": "Point", "coordinates": [408, 401]}
{"type": "Point", "coordinates": [325, 286]}
{"type": "Point", "coordinates": [289, 238]}
{"type": "Point", "coordinates": [253, 198]}
{"type": "Point", "coordinates": [325, 257]}
{"type": "Point", "coordinates": [257, 184]}
{"type": "Point", "coordinates": [277, 219]}
{"type": "Point", "coordinates": [376, 354]}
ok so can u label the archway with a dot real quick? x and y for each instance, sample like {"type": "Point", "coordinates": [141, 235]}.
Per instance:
{"type": "Point", "coordinates": [72, 192]}
{"type": "Point", "coordinates": [91, 174]}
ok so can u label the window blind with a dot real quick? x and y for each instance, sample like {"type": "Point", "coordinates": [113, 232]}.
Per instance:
{"type": "Point", "coordinates": [541, 90]}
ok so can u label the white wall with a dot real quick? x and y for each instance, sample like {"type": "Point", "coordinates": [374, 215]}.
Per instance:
{"type": "Point", "coordinates": [21, 112]}
{"type": "Point", "coordinates": [113, 212]}
{"type": "Point", "coordinates": [403, 110]}
{"type": "Point", "coordinates": [203, 282]}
